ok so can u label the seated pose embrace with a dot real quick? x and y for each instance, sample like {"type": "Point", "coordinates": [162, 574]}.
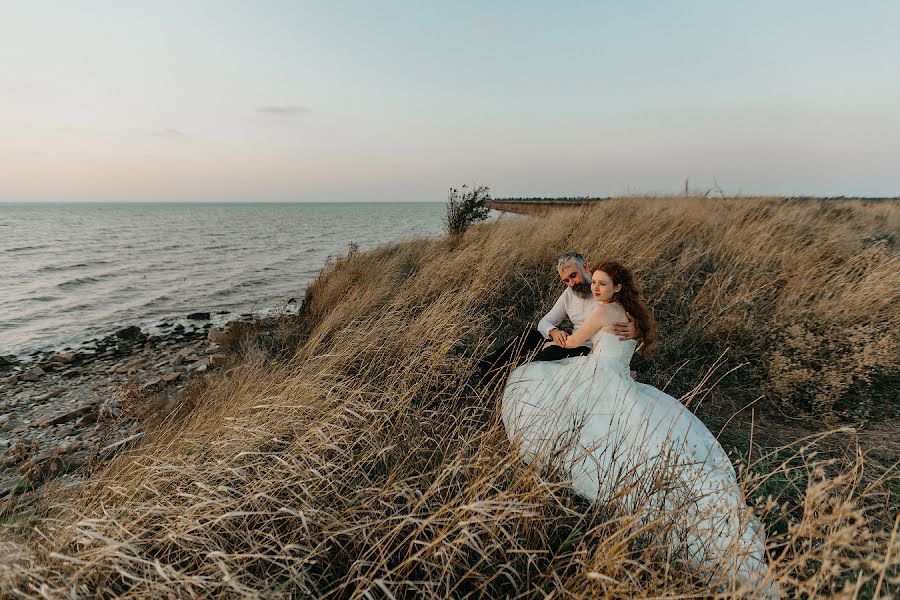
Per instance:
{"type": "Point", "coordinates": [617, 439]}
{"type": "Point", "coordinates": [574, 305]}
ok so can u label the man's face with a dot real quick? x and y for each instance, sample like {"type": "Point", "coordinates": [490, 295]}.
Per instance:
{"type": "Point", "coordinates": [571, 274]}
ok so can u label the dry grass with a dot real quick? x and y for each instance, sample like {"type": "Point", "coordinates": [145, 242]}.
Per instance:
{"type": "Point", "coordinates": [364, 460]}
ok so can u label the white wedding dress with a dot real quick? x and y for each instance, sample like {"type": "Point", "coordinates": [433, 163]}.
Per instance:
{"type": "Point", "coordinates": [630, 445]}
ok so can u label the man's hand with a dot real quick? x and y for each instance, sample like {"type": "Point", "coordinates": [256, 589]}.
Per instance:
{"type": "Point", "coordinates": [559, 336]}
{"type": "Point", "coordinates": [624, 331]}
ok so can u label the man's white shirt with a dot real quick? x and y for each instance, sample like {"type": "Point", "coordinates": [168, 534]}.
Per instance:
{"type": "Point", "coordinates": [569, 305]}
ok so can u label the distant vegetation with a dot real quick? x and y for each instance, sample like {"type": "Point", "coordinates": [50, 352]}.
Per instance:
{"type": "Point", "coordinates": [357, 455]}
{"type": "Point", "coordinates": [707, 194]}
{"type": "Point", "coordinates": [575, 199]}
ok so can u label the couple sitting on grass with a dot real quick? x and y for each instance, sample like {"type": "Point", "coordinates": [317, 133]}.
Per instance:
{"type": "Point", "coordinates": [578, 409]}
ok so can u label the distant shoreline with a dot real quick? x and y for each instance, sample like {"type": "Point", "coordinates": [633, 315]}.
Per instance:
{"type": "Point", "coordinates": [543, 205]}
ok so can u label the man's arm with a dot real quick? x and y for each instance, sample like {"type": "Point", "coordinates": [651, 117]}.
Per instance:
{"type": "Point", "coordinates": [624, 331]}
{"type": "Point", "coordinates": [554, 317]}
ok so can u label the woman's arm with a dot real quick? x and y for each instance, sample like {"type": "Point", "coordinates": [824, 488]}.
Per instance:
{"type": "Point", "coordinates": [598, 318]}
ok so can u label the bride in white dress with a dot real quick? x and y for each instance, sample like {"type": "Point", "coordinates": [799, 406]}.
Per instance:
{"type": "Point", "coordinates": [617, 440]}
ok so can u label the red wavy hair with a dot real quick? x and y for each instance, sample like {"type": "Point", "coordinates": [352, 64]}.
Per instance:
{"type": "Point", "coordinates": [632, 301]}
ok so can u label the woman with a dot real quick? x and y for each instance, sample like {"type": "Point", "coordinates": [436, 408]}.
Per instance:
{"type": "Point", "coordinates": [625, 442]}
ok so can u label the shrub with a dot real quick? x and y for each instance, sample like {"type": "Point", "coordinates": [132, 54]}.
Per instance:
{"type": "Point", "coordinates": [466, 206]}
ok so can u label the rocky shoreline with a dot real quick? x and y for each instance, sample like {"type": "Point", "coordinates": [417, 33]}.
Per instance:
{"type": "Point", "coordinates": [63, 412]}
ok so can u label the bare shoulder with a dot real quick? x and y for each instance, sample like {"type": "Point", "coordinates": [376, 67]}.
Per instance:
{"type": "Point", "coordinates": [603, 313]}
{"type": "Point", "coordinates": [608, 313]}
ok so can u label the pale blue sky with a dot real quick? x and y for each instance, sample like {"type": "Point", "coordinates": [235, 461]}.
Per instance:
{"type": "Point", "coordinates": [216, 100]}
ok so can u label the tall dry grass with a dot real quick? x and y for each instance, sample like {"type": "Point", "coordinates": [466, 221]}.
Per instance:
{"type": "Point", "coordinates": [361, 458]}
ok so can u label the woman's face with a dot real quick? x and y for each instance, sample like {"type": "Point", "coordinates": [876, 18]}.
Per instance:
{"type": "Point", "coordinates": [602, 287]}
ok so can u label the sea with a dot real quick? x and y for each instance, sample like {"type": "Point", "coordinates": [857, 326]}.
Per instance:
{"type": "Point", "coordinates": [72, 272]}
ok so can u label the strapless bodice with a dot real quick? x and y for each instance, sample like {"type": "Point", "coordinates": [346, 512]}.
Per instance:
{"type": "Point", "coordinates": [608, 347]}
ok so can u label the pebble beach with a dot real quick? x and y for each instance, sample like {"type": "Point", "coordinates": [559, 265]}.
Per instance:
{"type": "Point", "coordinates": [63, 412]}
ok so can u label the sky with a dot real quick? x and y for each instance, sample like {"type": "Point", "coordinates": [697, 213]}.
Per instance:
{"type": "Point", "coordinates": [218, 100]}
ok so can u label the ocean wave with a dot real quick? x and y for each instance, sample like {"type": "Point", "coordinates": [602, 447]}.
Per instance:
{"type": "Point", "coordinates": [84, 306]}
{"type": "Point", "coordinates": [155, 301]}
{"type": "Point", "coordinates": [124, 292]}
{"type": "Point", "coordinates": [55, 268]}
{"type": "Point", "coordinates": [226, 293]}
{"type": "Point", "coordinates": [24, 248]}
{"type": "Point", "coordinates": [77, 282]}
{"type": "Point", "coordinates": [252, 283]}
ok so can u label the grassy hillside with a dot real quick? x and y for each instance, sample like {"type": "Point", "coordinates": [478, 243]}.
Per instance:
{"type": "Point", "coordinates": [355, 454]}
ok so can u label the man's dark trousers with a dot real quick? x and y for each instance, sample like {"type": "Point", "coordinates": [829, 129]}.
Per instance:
{"type": "Point", "coordinates": [519, 349]}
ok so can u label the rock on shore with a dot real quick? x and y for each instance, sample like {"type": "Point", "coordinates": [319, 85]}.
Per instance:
{"type": "Point", "coordinates": [60, 411]}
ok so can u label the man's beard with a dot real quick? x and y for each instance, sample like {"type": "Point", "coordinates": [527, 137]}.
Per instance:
{"type": "Point", "coordinates": [582, 290]}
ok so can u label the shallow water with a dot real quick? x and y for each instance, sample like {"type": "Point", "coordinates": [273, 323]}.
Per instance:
{"type": "Point", "coordinates": [69, 272]}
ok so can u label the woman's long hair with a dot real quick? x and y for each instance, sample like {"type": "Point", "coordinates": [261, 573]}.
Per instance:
{"type": "Point", "coordinates": [631, 300]}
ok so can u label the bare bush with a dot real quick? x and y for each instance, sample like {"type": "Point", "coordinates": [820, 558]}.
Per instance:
{"type": "Point", "coordinates": [466, 206]}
